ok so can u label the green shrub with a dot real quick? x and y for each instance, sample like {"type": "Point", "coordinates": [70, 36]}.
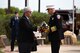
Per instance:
{"type": "Point", "coordinates": [2, 11]}
{"type": "Point", "coordinates": [37, 18]}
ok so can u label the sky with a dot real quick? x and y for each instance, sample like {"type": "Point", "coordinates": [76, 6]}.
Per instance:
{"type": "Point", "coordinates": [33, 4]}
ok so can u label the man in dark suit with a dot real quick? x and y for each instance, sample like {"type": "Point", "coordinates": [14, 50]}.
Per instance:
{"type": "Point", "coordinates": [55, 29]}
{"type": "Point", "coordinates": [26, 35]}
{"type": "Point", "coordinates": [14, 29]}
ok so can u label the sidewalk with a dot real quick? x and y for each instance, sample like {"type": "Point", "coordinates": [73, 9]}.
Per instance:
{"type": "Point", "coordinates": [47, 49]}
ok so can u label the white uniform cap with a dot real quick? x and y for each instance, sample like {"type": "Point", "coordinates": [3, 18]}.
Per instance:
{"type": "Point", "coordinates": [50, 7]}
{"type": "Point", "coordinates": [26, 9]}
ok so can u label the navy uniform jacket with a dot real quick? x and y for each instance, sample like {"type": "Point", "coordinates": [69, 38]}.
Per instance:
{"type": "Point", "coordinates": [14, 23]}
{"type": "Point", "coordinates": [58, 34]}
{"type": "Point", "coordinates": [26, 29]}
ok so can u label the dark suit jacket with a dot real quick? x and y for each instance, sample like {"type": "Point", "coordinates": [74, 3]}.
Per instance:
{"type": "Point", "coordinates": [58, 34]}
{"type": "Point", "coordinates": [26, 29]}
{"type": "Point", "coordinates": [14, 23]}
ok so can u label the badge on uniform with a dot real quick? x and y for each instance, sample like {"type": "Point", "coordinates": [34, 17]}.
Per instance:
{"type": "Point", "coordinates": [52, 18]}
{"type": "Point", "coordinates": [58, 16]}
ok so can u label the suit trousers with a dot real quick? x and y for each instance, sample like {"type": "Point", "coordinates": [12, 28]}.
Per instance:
{"type": "Point", "coordinates": [55, 46]}
{"type": "Point", "coordinates": [24, 47]}
{"type": "Point", "coordinates": [13, 38]}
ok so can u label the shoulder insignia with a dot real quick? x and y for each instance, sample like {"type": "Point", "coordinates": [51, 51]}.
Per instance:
{"type": "Point", "coordinates": [58, 16]}
{"type": "Point", "coordinates": [52, 18]}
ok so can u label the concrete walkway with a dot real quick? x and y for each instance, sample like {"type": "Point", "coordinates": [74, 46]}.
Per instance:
{"type": "Point", "coordinates": [47, 49]}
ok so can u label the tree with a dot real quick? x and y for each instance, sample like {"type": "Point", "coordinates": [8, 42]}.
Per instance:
{"type": "Point", "coordinates": [13, 9]}
{"type": "Point", "coordinates": [39, 3]}
{"type": "Point", "coordinates": [9, 6]}
{"type": "Point", "coordinates": [25, 3]}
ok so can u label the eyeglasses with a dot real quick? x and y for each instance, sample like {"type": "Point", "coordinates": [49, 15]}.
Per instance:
{"type": "Point", "coordinates": [30, 11]}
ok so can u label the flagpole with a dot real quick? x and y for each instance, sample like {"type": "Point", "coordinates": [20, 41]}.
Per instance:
{"type": "Point", "coordinates": [73, 17]}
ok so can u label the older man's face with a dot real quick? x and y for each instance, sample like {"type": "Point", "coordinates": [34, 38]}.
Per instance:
{"type": "Point", "coordinates": [51, 11]}
{"type": "Point", "coordinates": [28, 13]}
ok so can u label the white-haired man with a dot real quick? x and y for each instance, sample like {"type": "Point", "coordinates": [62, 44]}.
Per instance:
{"type": "Point", "coordinates": [55, 29]}
{"type": "Point", "coordinates": [26, 35]}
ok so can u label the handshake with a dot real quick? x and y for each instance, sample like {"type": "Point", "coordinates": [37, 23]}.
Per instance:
{"type": "Point", "coordinates": [42, 29]}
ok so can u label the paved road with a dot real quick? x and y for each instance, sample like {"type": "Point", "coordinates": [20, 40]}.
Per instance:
{"type": "Point", "coordinates": [47, 49]}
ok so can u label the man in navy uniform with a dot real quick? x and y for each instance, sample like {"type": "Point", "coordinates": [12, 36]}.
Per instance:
{"type": "Point", "coordinates": [14, 29]}
{"type": "Point", "coordinates": [55, 29]}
